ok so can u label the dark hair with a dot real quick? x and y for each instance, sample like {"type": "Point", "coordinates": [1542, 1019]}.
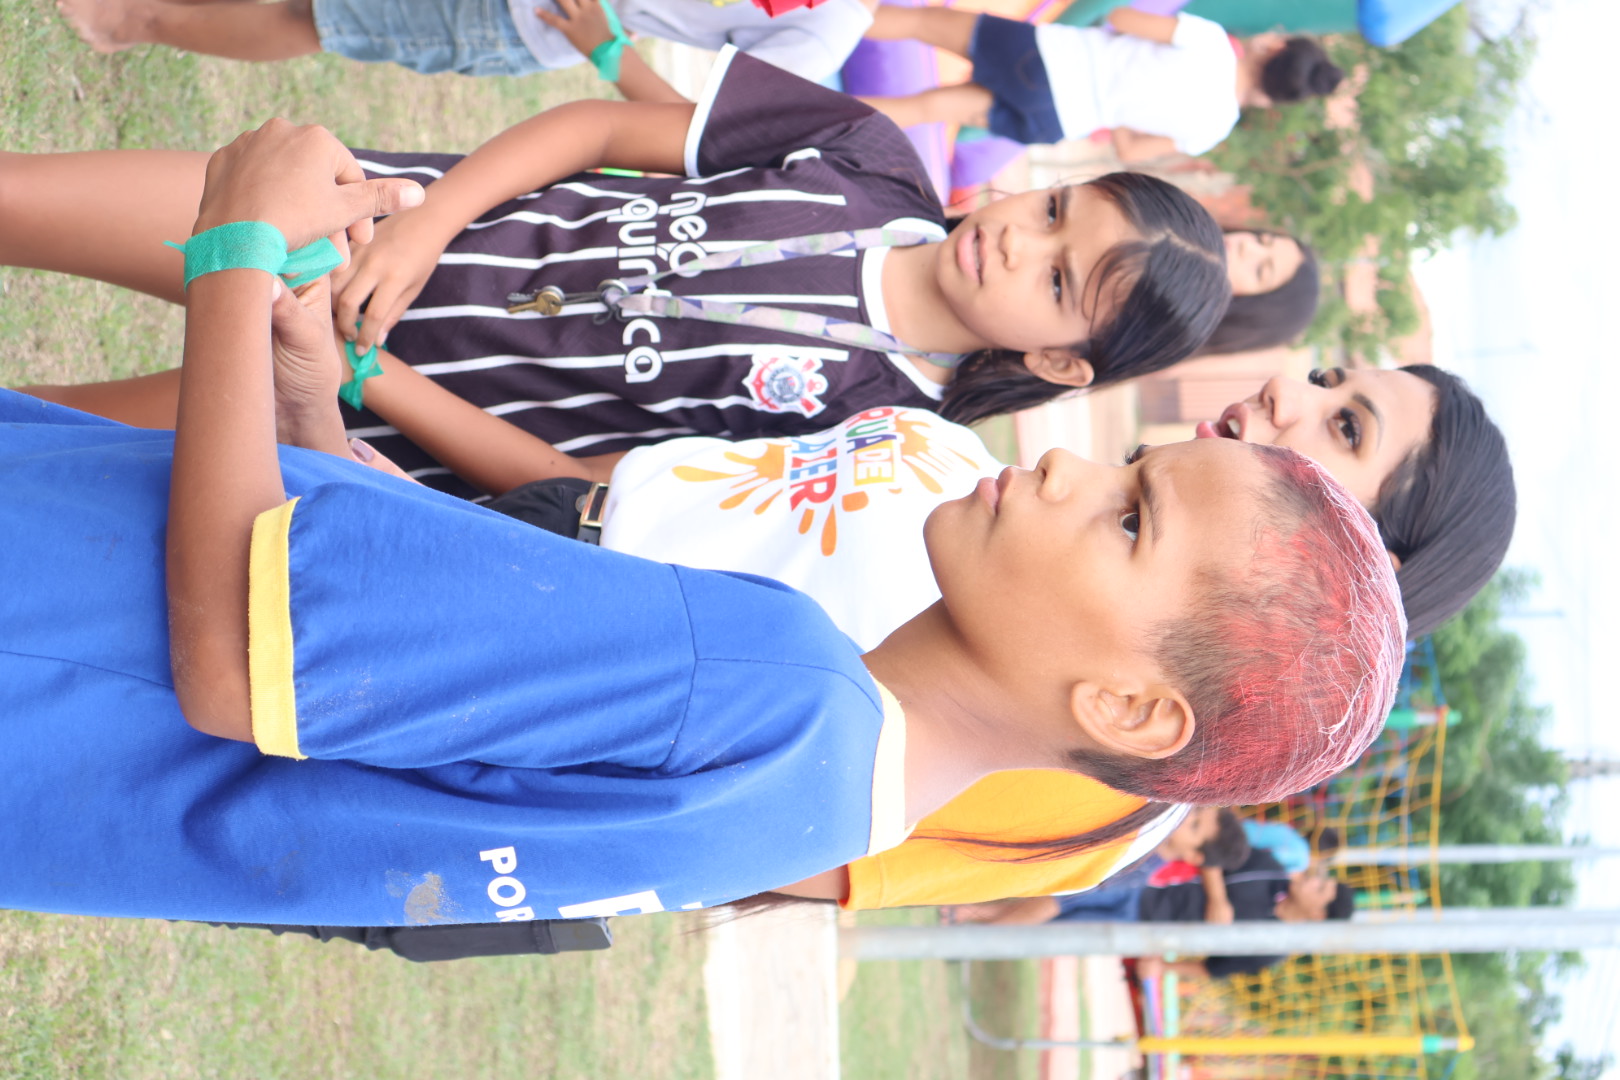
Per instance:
{"type": "Point", "coordinates": [1289, 665]}
{"type": "Point", "coordinates": [1343, 903]}
{"type": "Point", "coordinates": [1298, 70]}
{"type": "Point", "coordinates": [1059, 847]}
{"type": "Point", "coordinates": [1270, 318]}
{"type": "Point", "coordinates": [1179, 291]}
{"type": "Point", "coordinates": [1229, 847]}
{"type": "Point", "coordinates": [1447, 511]}
{"type": "Point", "coordinates": [1328, 841]}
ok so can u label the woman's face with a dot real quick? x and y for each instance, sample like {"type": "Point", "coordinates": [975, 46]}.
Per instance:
{"type": "Point", "coordinates": [1360, 424]}
{"type": "Point", "coordinates": [1259, 262]}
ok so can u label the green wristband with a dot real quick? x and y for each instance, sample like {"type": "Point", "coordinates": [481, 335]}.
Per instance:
{"type": "Point", "coordinates": [605, 57]}
{"type": "Point", "coordinates": [256, 245]}
{"type": "Point", "coordinates": [362, 366]}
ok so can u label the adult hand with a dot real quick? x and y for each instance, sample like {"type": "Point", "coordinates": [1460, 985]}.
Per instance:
{"type": "Point", "coordinates": [302, 181]}
{"type": "Point", "coordinates": [583, 22]}
{"type": "Point", "coordinates": [386, 275]}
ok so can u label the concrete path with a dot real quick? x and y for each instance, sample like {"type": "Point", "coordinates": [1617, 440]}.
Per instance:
{"type": "Point", "coordinates": [772, 986]}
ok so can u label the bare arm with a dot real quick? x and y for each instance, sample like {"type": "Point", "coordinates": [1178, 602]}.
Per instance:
{"type": "Point", "coordinates": [225, 475]}
{"type": "Point", "coordinates": [964, 103]}
{"type": "Point", "coordinates": [1160, 28]}
{"type": "Point", "coordinates": [225, 470]}
{"type": "Point", "coordinates": [1027, 911]}
{"type": "Point", "coordinates": [1133, 146]}
{"type": "Point", "coordinates": [483, 450]}
{"type": "Point", "coordinates": [1217, 908]}
{"type": "Point", "coordinates": [390, 272]}
{"type": "Point", "coordinates": [585, 25]}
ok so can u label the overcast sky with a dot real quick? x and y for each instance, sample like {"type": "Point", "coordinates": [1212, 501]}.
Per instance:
{"type": "Point", "coordinates": [1528, 319]}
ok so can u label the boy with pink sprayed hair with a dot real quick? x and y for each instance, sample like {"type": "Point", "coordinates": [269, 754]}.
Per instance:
{"type": "Point", "coordinates": [315, 716]}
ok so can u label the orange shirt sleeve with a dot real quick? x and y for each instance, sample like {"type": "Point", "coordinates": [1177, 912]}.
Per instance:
{"type": "Point", "coordinates": [1018, 805]}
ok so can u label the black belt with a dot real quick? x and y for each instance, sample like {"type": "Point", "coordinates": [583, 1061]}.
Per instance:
{"type": "Point", "coordinates": [565, 505]}
{"type": "Point", "coordinates": [591, 506]}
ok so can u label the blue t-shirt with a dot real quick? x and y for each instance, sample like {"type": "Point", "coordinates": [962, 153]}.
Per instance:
{"type": "Point", "coordinates": [498, 723]}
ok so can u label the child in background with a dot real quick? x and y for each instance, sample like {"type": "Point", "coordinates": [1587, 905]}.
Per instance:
{"type": "Point", "coordinates": [1160, 83]}
{"type": "Point", "coordinates": [518, 37]}
{"type": "Point", "coordinates": [537, 728]}
{"type": "Point", "coordinates": [1288, 847]}
{"type": "Point", "coordinates": [1257, 888]}
{"type": "Point", "coordinates": [1023, 300]}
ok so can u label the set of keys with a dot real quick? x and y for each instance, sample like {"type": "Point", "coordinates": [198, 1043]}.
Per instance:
{"type": "Point", "coordinates": [550, 300]}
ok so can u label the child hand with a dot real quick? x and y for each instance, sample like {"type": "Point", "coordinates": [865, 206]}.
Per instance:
{"type": "Point", "coordinates": [302, 181]}
{"type": "Point", "coordinates": [389, 272]}
{"type": "Point", "coordinates": [582, 22]}
{"type": "Point", "coordinates": [304, 356]}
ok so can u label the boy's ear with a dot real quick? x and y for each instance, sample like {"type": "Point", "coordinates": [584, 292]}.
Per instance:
{"type": "Point", "coordinates": [1152, 721]}
{"type": "Point", "coordinates": [1060, 366]}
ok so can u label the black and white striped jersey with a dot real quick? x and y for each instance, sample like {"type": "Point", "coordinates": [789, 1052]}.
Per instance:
{"type": "Point", "coordinates": [769, 156]}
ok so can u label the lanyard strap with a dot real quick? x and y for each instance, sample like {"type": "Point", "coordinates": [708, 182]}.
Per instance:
{"type": "Point", "coordinates": [782, 320]}
{"type": "Point", "coordinates": [794, 247]}
{"type": "Point", "coordinates": [626, 296]}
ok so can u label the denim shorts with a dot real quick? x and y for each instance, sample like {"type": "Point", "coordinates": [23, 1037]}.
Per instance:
{"type": "Point", "coordinates": [472, 37]}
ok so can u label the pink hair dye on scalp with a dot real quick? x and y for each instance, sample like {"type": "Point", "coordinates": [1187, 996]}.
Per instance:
{"type": "Point", "coordinates": [1290, 665]}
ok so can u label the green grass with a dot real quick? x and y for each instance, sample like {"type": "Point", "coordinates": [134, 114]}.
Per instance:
{"type": "Point", "coordinates": [124, 1000]}
{"type": "Point", "coordinates": [55, 95]}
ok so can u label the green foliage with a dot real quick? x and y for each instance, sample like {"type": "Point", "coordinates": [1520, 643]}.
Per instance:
{"type": "Point", "coordinates": [1502, 786]}
{"type": "Point", "coordinates": [1430, 116]}
{"type": "Point", "coordinates": [1571, 1067]}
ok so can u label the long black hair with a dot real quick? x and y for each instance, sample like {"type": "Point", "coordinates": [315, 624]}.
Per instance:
{"type": "Point", "coordinates": [1447, 511]}
{"type": "Point", "coordinates": [1270, 318]}
{"type": "Point", "coordinates": [1179, 293]}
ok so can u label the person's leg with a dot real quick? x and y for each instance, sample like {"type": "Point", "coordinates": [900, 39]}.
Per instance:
{"type": "Point", "coordinates": [943, 28]}
{"type": "Point", "coordinates": [1101, 905]}
{"type": "Point", "coordinates": [236, 31]}
{"type": "Point", "coordinates": [103, 214]}
{"type": "Point", "coordinates": [146, 401]}
{"type": "Point", "coordinates": [965, 103]}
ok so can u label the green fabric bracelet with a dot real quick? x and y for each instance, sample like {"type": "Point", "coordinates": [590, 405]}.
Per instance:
{"type": "Point", "coordinates": [362, 366]}
{"type": "Point", "coordinates": [605, 57]}
{"type": "Point", "coordinates": [256, 245]}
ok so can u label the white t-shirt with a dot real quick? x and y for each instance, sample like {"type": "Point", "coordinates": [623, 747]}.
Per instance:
{"type": "Point", "coordinates": [838, 514]}
{"type": "Point", "coordinates": [812, 43]}
{"type": "Point", "coordinates": [1186, 90]}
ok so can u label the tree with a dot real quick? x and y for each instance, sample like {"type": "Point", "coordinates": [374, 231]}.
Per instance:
{"type": "Point", "coordinates": [1571, 1067]}
{"type": "Point", "coordinates": [1430, 115]}
{"type": "Point", "coordinates": [1501, 785]}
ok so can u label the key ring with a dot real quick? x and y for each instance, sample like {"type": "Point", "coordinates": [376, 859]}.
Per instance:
{"type": "Point", "coordinates": [550, 300]}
